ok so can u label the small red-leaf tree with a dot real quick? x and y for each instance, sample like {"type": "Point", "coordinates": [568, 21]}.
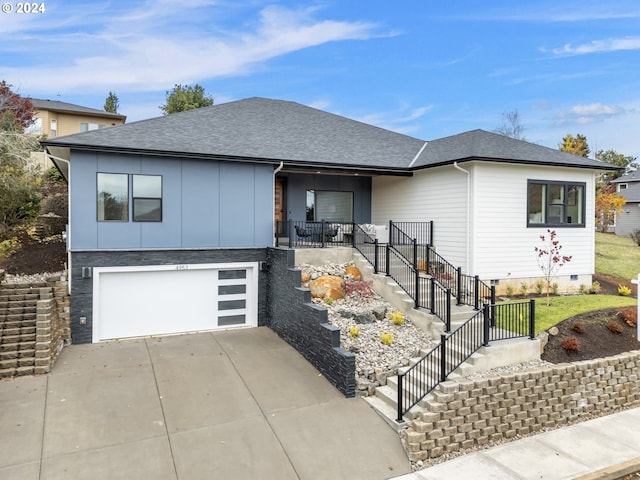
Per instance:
{"type": "Point", "coordinates": [16, 112]}
{"type": "Point", "coordinates": [550, 258]}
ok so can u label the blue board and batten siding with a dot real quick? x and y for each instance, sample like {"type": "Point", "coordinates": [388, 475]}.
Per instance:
{"type": "Point", "coordinates": [298, 184]}
{"type": "Point", "coordinates": [204, 204]}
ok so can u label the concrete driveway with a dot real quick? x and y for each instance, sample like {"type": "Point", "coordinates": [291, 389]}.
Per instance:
{"type": "Point", "coordinates": [238, 404]}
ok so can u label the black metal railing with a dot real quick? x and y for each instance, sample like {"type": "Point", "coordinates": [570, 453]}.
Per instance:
{"type": "Point", "coordinates": [370, 248]}
{"type": "Point", "coordinates": [305, 234]}
{"type": "Point", "coordinates": [403, 273]}
{"type": "Point", "coordinates": [400, 232]}
{"type": "Point", "coordinates": [440, 303]}
{"type": "Point", "coordinates": [494, 322]}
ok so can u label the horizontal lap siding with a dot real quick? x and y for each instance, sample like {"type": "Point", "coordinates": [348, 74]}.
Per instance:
{"type": "Point", "coordinates": [503, 246]}
{"type": "Point", "coordinates": [437, 194]}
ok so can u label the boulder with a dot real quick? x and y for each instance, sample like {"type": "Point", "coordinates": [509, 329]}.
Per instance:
{"type": "Point", "coordinates": [353, 272]}
{"type": "Point", "coordinates": [327, 286]}
{"type": "Point", "coordinates": [305, 277]}
{"type": "Point", "coordinates": [366, 317]}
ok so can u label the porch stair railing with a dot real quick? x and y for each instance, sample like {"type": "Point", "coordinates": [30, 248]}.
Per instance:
{"type": "Point", "coordinates": [493, 322]}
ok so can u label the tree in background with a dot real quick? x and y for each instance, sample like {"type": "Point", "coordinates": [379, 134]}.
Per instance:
{"type": "Point", "coordinates": [16, 112]}
{"type": "Point", "coordinates": [19, 184]}
{"type": "Point", "coordinates": [112, 103]}
{"type": "Point", "coordinates": [618, 159]}
{"type": "Point", "coordinates": [185, 97]}
{"type": "Point", "coordinates": [511, 125]}
{"type": "Point", "coordinates": [608, 204]}
{"type": "Point", "coordinates": [577, 145]}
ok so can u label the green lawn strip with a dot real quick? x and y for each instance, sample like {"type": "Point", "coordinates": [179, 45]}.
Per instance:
{"type": "Point", "coordinates": [617, 256]}
{"type": "Point", "coordinates": [562, 308]}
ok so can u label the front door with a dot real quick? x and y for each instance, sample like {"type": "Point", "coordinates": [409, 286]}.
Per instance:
{"type": "Point", "coordinates": [280, 206]}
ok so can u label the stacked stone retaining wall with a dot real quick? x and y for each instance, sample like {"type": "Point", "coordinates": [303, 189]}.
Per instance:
{"type": "Point", "coordinates": [34, 326]}
{"type": "Point", "coordinates": [472, 413]}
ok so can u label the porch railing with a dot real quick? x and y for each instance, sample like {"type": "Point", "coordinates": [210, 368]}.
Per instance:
{"type": "Point", "coordinates": [512, 320]}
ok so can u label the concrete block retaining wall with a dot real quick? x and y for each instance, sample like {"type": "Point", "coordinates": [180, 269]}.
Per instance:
{"type": "Point", "coordinates": [467, 413]}
{"type": "Point", "coordinates": [304, 325]}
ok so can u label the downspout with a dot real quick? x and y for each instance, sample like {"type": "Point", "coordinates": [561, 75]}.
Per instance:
{"type": "Point", "coordinates": [273, 193]}
{"type": "Point", "coordinates": [457, 167]}
{"type": "Point", "coordinates": [68, 239]}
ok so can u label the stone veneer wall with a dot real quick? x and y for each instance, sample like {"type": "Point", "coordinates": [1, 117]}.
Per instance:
{"type": "Point", "coordinates": [304, 325]}
{"type": "Point", "coordinates": [468, 413]}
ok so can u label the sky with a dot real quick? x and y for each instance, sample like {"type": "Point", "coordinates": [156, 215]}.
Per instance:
{"type": "Point", "coordinates": [424, 68]}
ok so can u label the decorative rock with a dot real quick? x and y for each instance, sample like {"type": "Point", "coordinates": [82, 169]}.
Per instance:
{"type": "Point", "coordinates": [327, 286]}
{"type": "Point", "coordinates": [305, 277]}
{"type": "Point", "coordinates": [365, 317]}
{"type": "Point", "coordinates": [345, 313]}
{"type": "Point", "coordinates": [554, 331]}
{"type": "Point", "coordinates": [379, 312]}
{"type": "Point", "coordinates": [353, 272]}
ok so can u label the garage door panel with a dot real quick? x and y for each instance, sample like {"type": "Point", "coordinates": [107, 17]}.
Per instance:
{"type": "Point", "coordinates": [154, 302]}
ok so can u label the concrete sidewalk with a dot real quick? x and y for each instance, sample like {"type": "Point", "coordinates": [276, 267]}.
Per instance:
{"type": "Point", "coordinates": [238, 404]}
{"type": "Point", "coordinates": [567, 453]}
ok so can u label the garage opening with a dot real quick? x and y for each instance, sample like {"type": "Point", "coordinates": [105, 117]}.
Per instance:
{"type": "Point", "coordinates": [165, 299]}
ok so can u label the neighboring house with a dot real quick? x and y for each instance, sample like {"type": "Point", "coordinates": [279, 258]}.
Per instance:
{"type": "Point", "coordinates": [172, 218]}
{"type": "Point", "coordinates": [628, 186]}
{"type": "Point", "coordinates": [55, 119]}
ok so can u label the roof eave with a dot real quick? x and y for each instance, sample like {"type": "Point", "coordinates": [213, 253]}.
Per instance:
{"type": "Point", "coordinates": [517, 162]}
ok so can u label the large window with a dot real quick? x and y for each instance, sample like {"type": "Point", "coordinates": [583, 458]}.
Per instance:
{"type": "Point", "coordinates": [330, 206]}
{"type": "Point", "coordinates": [113, 197]}
{"type": "Point", "coordinates": [555, 203]}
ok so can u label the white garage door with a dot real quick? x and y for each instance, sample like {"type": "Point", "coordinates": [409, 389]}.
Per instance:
{"type": "Point", "coordinates": [164, 299]}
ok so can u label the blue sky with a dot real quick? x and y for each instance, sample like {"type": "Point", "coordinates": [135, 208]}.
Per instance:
{"type": "Point", "coordinates": [424, 68]}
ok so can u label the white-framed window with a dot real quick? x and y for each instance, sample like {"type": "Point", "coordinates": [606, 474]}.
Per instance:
{"type": "Point", "coordinates": [86, 127]}
{"type": "Point", "coordinates": [552, 203]}
{"type": "Point", "coordinates": [54, 128]}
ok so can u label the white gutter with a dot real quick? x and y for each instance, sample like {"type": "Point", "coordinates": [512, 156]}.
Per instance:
{"type": "Point", "coordinates": [68, 239]}
{"type": "Point", "coordinates": [457, 167]}
{"type": "Point", "coordinates": [275, 172]}
{"type": "Point", "coordinates": [418, 155]}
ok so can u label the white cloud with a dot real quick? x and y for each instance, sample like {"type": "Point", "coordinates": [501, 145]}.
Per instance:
{"type": "Point", "coordinates": [596, 46]}
{"type": "Point", "coordinates": [143, 50]}
{"type": "Point", "coordinates": [590, 113]}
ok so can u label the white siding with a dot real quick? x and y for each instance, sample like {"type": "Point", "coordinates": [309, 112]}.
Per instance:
{"type": "Point", "coordinates": [503, 246]}
{"type": "Point", "coordinates": [438, 194]}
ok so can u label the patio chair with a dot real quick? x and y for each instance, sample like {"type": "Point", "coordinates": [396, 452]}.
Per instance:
{"type": "Point", "coordinates": [303, 232]}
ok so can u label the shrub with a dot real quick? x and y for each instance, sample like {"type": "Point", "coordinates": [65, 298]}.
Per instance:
{"type": "Point", "coordinates": [509, 289]}
{"type": "Point", "coordinates": [397, 318]}
{"type": "Point", "coordinates": [624, 290]}
{"type": "Point", "coordinates": [53, 174]}
{"type": "Point", "coordinates": [524, 288]}
{"type": "Point", "coordinates": [583, 288]}
{"type": "Point", "coordinates": [614, 327]}
{"type": "Point", "coordinates": [359, 288]}
{"type": "Point", "coordinates": [635, 236]}
{"type": "Point", "coordinates": [595, 287]}
{"type": "Point", "coordinates": [354, 332]}
{"type": "Point", "coordinates": [578, 327]}
{"type": "Point", "coordinates": [628, 315]}
{"type": "Point", "coordinates": [328, 300]}
{"type": "Point", "coordinates": [386, 338]}
{"type": "Point", "coordinates": [539, 286]}
{"type": "Point", "coordinates": [554, 288]}
{"type": "Point", "coordinates": [9, 246]}
{"type": "Point", "coordinates": [571, 344]}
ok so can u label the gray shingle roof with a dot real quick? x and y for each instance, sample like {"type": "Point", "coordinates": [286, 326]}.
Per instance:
{"type": "Point", "coordinates": [630, 177]}
{"type": "Point", "coordinates": [479, 144]}
{"type": "Point", "coordinates": [631, 193]}
{"type": "Point", "coordinates": [260, 129]}
{"type": "Point", "coordinates": [57, 106]}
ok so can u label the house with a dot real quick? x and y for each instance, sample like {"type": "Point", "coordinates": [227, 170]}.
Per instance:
{"type": "Point", "coordinates": [55, 119]}
{"type": "Point", "coordinates": [628, 186]}
{"type": "Point", "coordinates": [172, 218]}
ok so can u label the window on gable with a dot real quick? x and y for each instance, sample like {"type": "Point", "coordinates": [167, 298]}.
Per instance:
{"type": "Point", "coordinates": [622, 186]}
{"type": "Point", "coordinates": [147, 198]}
{"type": "Point", "coordinates": [551, 203]}
{"type": "Point", "coordinates": [113, 197]}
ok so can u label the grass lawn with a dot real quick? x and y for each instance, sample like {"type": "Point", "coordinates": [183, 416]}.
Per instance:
{"type": "Point", "coordinates": [617, 256]}
{"type": "Point", "coordinates": [562, 308]}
